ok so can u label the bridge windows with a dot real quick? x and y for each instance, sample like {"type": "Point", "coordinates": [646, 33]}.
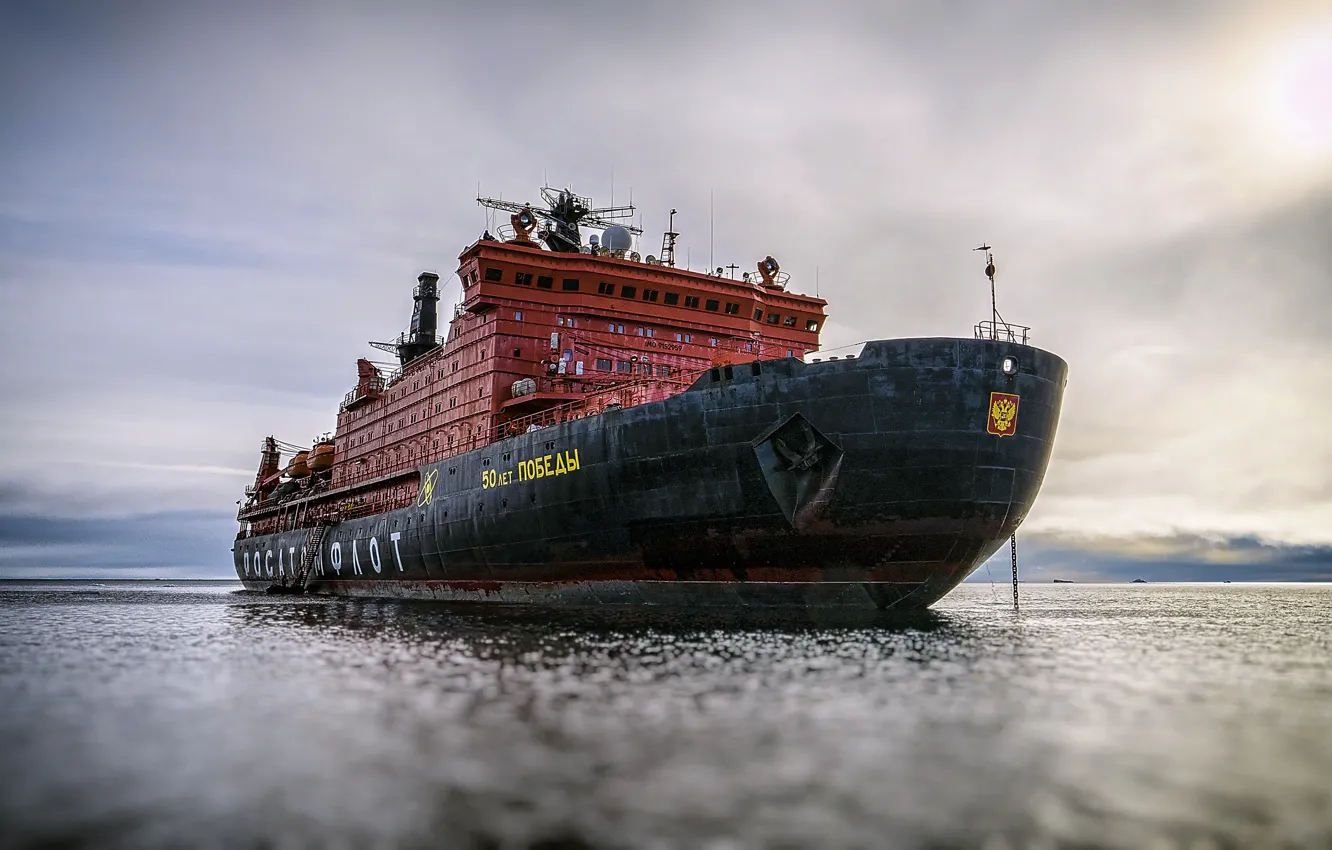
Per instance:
{"type": "Point", "coordinates": [774, 318]}
{"type": "Point", "coordinates": [522, 278]}
{"type": "Point", "coordinates": [691, 301]}
{"type": "Point", "coordinates": [711, 305]}
{"type": "Point", "coordinates": [544, 282]}
{"type": "Point", "coordinates": [811, 325]}
{"type": "Point", "coordinates": [650, 295]}
{"type": "Point", "coordinates": [604, 288]}
{"type": "Point", "coordinates": [628, 291]}
{"type": "Point", "coordinates": [570, 284]}
{"type": "Point", "coordinates": [788, 321]}
{"type": "Point", "coordinates": [732, 309]}
{"type": "Point", "coordinates": [604, 364]}
{"type": "Point", "coordinates": [494, 274]}
{"type": "Point", "coordinates": [624, 366]}
{"type": "Point", "coordinates": [671, 298]}
{"type": "Point", "coordinates": [517, 315]}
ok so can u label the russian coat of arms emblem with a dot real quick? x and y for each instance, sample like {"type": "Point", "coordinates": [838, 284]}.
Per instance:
{"type": "Point", "coordinates": [1003, 414]}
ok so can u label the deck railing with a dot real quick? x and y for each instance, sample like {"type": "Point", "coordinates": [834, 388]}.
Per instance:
{"type": "Point", "coordinates": [372, 390]}
{"type": "Point", "coordinates": [1002, 331]}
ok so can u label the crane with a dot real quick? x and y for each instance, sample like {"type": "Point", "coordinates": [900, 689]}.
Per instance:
{"type": "Point", "coordinates": [564, 212]}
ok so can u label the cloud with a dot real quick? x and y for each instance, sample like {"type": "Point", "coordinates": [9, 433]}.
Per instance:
{"type": "Point", "coordinates": [1045, 557]}
{"type": "Point", "coordinates": [208, 210]}
{"type": "Point", "coordinates": [169, 544]}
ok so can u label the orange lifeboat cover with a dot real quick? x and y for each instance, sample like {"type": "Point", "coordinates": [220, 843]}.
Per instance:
{"type": "Point", "coordinates": [298, 468]}
{"type": "Point", "coordinates": [321, 457]}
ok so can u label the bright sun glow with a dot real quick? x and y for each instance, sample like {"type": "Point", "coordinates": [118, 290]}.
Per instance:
{"type": "Point", "coordinates": [1298, 95]}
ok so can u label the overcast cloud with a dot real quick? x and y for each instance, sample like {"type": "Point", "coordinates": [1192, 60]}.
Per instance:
{"type": "Point", "coordinates": [205, 211]}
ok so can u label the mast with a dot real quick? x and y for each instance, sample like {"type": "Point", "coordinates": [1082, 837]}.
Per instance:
{"type": "Point", "coordinates": [668, 243]}
{"type": "Point", "coordinates": [994, 305]}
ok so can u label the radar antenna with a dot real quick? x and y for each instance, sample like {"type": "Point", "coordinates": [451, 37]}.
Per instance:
{"type": "Point", "coordinates": [564, 213]}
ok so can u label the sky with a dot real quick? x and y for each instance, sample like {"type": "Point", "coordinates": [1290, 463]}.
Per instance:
{"type": "Point", "coordinates": [207, 209]}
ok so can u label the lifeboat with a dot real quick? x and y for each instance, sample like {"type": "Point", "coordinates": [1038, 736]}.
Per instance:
{"type": "Point", "coordinates": [298, 468]}
{"type": "Point", "coordinates": [321, 456]}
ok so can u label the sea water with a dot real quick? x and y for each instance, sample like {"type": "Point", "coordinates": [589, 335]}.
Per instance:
{"type": "Point", "coordinates": [1142, 716]}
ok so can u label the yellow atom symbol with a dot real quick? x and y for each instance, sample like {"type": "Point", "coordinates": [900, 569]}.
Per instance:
{"type": "Point", "coordinates": [428, 489]}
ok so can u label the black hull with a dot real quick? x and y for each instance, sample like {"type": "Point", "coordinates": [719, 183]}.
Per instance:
{"type": "Point", "coordinates": [866, 482]}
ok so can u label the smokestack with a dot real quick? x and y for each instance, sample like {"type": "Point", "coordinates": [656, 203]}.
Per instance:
{"type": "Point", "coordinates": [425, 318]}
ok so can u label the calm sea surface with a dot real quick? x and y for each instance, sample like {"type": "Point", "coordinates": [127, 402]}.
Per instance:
{"type": "Point", "coordinates": [1147, 716]}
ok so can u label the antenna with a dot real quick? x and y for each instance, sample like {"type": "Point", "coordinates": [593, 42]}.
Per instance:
{"type": "Point", "coordinates": [732, 267]}
{"type": "Point", "coordinates": [994, 305]}
{"type": "Point", "coordinates": [710, 239]}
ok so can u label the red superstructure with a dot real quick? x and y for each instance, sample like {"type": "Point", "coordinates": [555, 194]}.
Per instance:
{"type": "Point", "coordinates": [539, 336]}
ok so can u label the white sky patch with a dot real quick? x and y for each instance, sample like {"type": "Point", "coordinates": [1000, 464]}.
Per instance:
{"type": "Point", "coordinates": [201, 244]}
{"type": "Point", "coordinates": [182, 469]}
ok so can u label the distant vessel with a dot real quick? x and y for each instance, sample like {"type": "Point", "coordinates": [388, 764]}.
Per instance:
{"type": "Point", "coordinates": [1062, 581]}
{"type": "Point", "coordinates": [598, 427]}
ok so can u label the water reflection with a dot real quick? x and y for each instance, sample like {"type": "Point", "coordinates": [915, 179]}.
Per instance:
{"type": "Point", "coordinates": [1099, 717]}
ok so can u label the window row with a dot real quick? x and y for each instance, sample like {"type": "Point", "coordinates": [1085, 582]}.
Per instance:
{"type": "Point", "coordinates": [630, 367]}
{"type": "Point", "coordinates": [712, 305]}
{"type": "Point", "coordinates": [520, 278]}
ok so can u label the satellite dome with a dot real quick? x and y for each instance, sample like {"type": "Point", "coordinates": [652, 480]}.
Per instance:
{"type": "Point", "coordinates": [617, 238]}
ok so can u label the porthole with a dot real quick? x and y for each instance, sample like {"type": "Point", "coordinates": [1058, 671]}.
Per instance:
{"type": "Point", "coordinates": [1010, 366]}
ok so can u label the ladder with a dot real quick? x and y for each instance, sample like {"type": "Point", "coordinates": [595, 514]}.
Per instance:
{"type": "Point", "coordinates": [302, 576]}
{"type": "Point", "coordinates": [312, 545]}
